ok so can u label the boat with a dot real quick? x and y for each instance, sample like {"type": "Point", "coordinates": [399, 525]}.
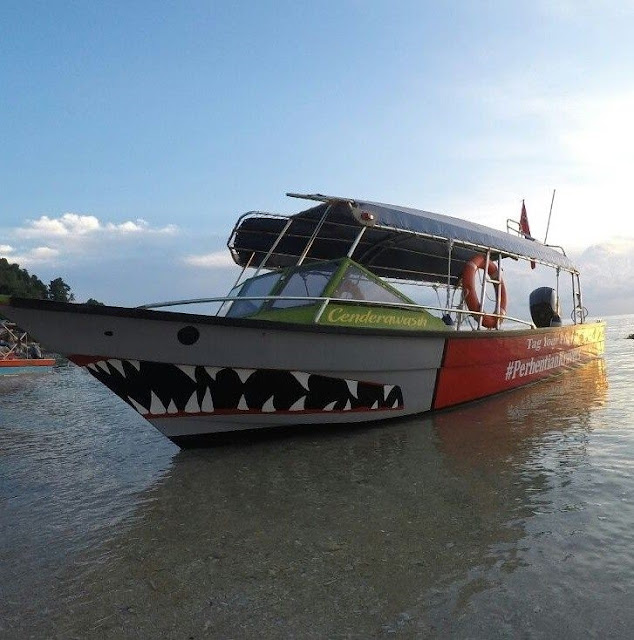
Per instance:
{"type": "Point", "coordinates": [321, 325]}
{"type": "Point", "coordinates": [19, 354]}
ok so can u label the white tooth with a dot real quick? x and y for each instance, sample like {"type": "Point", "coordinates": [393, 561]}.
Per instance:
{"type": "Point", "coordinates": [101, 365]}
{"type": "Point", "coordinates": [387, 389]}
{"type": "Point", "coordinates": [192, 404]}
{"type": "Point", "coordinates": [172, 407]}
{"type": "Point", "coordinates": [395, 405]}
{"type": "Point", "coordinates": [348, 406]}
{"type": "Point", "coordinates": [156, 406]}
{"type": "Point", "coordinates": [118, 365]}
{"type": "Point", "coordinates": [188, 370]}
{"type": "Point", "coordinates": [299, 405]}
{"type": "Point", "coordinates": [142, 410]}
{"type": "Point", "coordinates": [243, 374]}
{"type": "Point", "coordinates": [268, 405]}
{"type": "Point", "coordinates": [92, 366]}
{"type": "Point", "coordinates": [242, 405]}
{"type": "Point", "coordinates": [207, 404]}
{"type": "Point", "coordinates": [330, 407]}
{"type": "Point", "coordinates": [302, 378]}
{"type": "Point", "coordinates": [353, 385]}
{"type": "Point", "coordinates": [375, 405]}
{"type": "Point", "coordinates": [135, 364]}
{"type": "Point", "coordinates": [212, 372]}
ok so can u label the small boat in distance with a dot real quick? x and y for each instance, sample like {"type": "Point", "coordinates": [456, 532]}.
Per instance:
{"type": "Point", "coordinates": [326, 329]}
{"type": "Point", "coordinates": [19, 354]}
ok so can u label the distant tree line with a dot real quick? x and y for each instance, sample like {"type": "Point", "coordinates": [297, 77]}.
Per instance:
{"type": "Point", "coordinates": [15, 281]}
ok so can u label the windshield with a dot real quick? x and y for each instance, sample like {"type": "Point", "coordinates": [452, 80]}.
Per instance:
{"type": "Point", "coordinates": [357, 285]}
{"type": "Point", "coordinates": [260, 286]}
{"type": "Point", "coordinates": [308, 282]}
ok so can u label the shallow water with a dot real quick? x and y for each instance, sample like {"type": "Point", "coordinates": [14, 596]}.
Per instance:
{"type": "Point", "coordinates": [512, 517]}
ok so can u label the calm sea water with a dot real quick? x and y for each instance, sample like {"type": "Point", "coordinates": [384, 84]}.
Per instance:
{"type": "Point", "coordinates": [513, 517]}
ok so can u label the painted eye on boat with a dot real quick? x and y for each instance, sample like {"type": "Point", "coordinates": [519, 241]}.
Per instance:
{"type": "Point", "coordinates": [188, 335]}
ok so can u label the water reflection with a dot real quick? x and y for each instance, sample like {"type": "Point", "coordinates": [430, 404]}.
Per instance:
{"type": "Point", "coordinates": [71, 468]}
{"type": "Point", "coordinates": [384, 530]}
{"type": "Point", "coordinates": [509, 425]}
{"type": "Point", "coordinates": [513, 456]}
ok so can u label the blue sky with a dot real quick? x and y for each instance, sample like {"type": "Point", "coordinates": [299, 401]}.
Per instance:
{"type": "Point", "coordinates": [134, 133]}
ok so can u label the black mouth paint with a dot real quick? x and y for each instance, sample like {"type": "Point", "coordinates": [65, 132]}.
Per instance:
{"type": "Point", "coordinates": [157, 388]}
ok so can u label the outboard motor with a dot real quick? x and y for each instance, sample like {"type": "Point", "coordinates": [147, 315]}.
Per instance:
{"type": "Point", "coordinates": [545, 307]}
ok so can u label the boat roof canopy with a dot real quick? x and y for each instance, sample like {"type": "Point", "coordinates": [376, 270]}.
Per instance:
{"type": "Point", "coordinates": [398, 242]}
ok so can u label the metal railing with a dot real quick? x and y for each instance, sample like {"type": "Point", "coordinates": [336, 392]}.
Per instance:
{"type": "Point", "coordinates": [325, 301]}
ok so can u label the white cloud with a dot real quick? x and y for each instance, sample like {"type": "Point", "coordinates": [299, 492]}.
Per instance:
{"type": "Point", "coordinates": [73, 224]}
{"type": "Point", "coordinates": [210, 260]}
{"type": "Point", "coordinates": [607, 265]}
{"type": "Point", "coordinates": [139, 226]}
{"type": "Point", "coordinates": [35, 255]}
{"type": "Point", "coordinates": [605, 268]}
{"type": "Point", "coordinates": [43, 253]}
{"type": "Point", "coordinates": [68, 224]}
{"type": "Point", "coordinates": [72, 235]}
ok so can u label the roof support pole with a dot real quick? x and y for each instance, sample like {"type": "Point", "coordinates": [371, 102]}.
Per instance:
{"type": "Point", "coordinates": [356, 242]}
{"type": "Point", "coordinates": [449, 250]}
{"type": "Point", "coordinates": [579, 308]}
{"type": "Point", "coordinates": [483, 287]}
{"type": "Point", "coordinates": [498, 297]}
{"type": "Point", "coordinates": [312, 239]}
{"type": "Point", "coordinates": [574, 299]}
{"type": "Point", "coordinates": [246, 266]}
{"type": "Point", "coordinates": [273, 246]}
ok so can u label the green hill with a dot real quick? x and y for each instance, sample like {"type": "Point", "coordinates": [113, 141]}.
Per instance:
{"type": "Point", "coordinates": [15, 281]}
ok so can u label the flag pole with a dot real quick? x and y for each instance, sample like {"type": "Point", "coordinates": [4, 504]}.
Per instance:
{"type": "Point", "coordinates": [549, 214]}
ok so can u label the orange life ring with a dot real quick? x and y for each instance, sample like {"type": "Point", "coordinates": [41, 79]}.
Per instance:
{"type": "Point", "coordinates": [471, 296]}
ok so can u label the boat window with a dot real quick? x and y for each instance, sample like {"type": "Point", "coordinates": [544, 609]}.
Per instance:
{"type": "Point", "coordinates": [357, 285]}
{"type": "Point", "coordinates": [305, 283]}
{"type": "Point", "coordinates": [260, 286]}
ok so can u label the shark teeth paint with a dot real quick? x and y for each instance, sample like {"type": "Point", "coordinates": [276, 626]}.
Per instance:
{"type": "Point", "coordinates": [157, 389]}
{"type": "Point", "coordinates": [188, 370]}
{"type": "Point", "coordinates": [192, 405]}
{"type": "Point", "coordinates": [207, 405]}
{"type": "Point", "coordinates": [118, 365]}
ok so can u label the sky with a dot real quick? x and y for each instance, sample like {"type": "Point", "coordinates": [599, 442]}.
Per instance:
{"type": "Point", "coordinates": [134, 134]}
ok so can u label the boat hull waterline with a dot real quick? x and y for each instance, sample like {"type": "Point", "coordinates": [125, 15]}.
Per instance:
{"type": "Point", "coordinates": [199, 375]}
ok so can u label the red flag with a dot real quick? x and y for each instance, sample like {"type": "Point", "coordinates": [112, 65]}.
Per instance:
{"type": "Point", "coordinates": [525, 229]}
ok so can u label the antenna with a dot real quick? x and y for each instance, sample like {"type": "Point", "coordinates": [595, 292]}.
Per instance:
{"type": "Point", "coordinates": [549, 214]}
